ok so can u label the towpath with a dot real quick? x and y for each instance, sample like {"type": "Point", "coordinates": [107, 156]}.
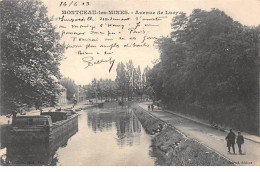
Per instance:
{"type": "Point", "coordinates": [211, 137]}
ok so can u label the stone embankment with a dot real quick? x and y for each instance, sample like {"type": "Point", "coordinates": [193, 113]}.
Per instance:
{"type": "Point", "coordinates": [171, 147]}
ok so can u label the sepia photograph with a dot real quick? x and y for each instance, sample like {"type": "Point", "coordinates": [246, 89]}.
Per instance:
{"type": "Point", "coordinates": [129, 83]}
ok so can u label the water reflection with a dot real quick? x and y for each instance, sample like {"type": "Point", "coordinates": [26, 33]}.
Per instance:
{"type": "Point", "coordinates": [28, 155]}
{"type": "Point", "coordinates": [127, 124]}
{"type": "Point", "coordinates": [111, 135]}
{"type": "Point", "coordinates": [107, 136]}
{"type": "Point", "coordinates": [4, 132]}
{"type": "Point", "coordinates": [99, 121]}
{"type": "Point", "coordinates": [29, 152]}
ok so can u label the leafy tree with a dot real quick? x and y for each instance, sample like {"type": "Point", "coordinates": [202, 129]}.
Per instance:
{"type": "Point", "coordinates": [210, 63]}
{"type": "Point", "coordinates": [103, 88]}
{"type": "Point", "coordinates": [145, 80]}
{"type": "Point", "coordinates": [71, 87]}
{"type": "Point", "coordinates": [121, 79]}
{"type": "Point", "coordinates": [156, 89]}
{"type": "Point", "coordinates": [100, 89]}
{"type": "Point", "coordinates": [137, 81]}
{"type": "Point", "coordinates": [129, 78]}
{"type": "Point", "coordinates": [30, 55]}
{"type": "Point", "coordinates": [93, 89]}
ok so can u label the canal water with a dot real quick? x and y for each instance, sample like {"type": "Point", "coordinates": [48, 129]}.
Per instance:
{"type": "Point", "coordinates": [108, 136]}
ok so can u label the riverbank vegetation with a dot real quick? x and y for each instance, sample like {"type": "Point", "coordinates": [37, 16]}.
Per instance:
{"type": "Point", "coordinates": [209, 68]}
{"type": "Point", "coordinates": [30, 56]}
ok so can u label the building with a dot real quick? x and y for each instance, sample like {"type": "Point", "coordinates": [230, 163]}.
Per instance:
{"type": "Point", "coordinates": [81, 94]}
{"type": "Point", "coordinates": [63, 97]}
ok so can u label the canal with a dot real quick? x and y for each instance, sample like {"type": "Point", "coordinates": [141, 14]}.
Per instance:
{"type": "Point", "coordinates": [108, 136]}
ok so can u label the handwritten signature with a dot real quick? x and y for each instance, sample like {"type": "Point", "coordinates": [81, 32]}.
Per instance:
{"type": "Point", "coordinates": [89, 61]}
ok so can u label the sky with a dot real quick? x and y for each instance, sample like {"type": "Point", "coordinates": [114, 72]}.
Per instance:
{"type": "Point", "coordinates": [246, 12]}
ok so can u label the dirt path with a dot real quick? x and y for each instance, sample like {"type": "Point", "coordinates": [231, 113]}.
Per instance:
{"type": "Point", "coordinates": [210, 137]}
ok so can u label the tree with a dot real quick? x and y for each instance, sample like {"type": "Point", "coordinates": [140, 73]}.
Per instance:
{"type": "Point", "coordinates": [172, 61]}
{"type": "Point", "coordinates": [145, 80]}
{"type": "Point", "coordinates": [102, 88]}
{"type": "Point", "coordinates": [137, 81]}
{"type": "Point", "coordinates": [129, 78]}
{"type": "Point", "coordinates": [121, 79]}
{"type": "Point", "coordinates": [93, 88]}
{"type": "Point", "coordinates": [71, 87]}
{"type": "Point", "coordinates": [30, 54]}
{"type": "Point", "coordinates": [155, 90]}
{"type": "Point", "coordinates": [112, 89]}
{"type": "Point", "coordinates": [210, 64]}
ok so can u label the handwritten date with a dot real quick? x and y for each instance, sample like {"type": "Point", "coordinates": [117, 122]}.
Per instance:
{"type": "Point", "coordinates": [73, 3]}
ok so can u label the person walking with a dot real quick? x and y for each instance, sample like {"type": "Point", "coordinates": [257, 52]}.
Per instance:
{"type": "Point", "coordinates": [148, 107]}
{"type": "Point", "coordinates": [152, 107]}
{"type": "Point", "coordinates": [74, 103]}
{"type": "Point", "coordinates": [231, 137]}
{"type": "Point", "coordinates": [240, 141]}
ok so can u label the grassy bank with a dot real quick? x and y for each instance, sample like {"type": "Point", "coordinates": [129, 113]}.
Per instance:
{"type": "Point", "coordinates": [171, 147]}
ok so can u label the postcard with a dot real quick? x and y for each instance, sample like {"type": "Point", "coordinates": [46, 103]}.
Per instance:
{"type": "Point", "coordinates": [130, 83]}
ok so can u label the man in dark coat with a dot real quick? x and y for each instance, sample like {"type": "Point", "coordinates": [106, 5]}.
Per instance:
{"type": "Point", "coordinates": [231, 140]}
{"type": "Point", "coordinates": [240, 141]}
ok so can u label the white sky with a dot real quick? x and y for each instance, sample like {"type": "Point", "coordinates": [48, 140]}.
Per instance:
{"type": "Point", "coordinates": [246, 12]}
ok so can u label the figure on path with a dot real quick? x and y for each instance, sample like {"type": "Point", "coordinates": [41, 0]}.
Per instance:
{"type": "Point", "coordinates": [14, 113]}
{"type": "Point", "coordinates": [148, 107]}
{"type": "Point", "coordinates": [240, 141]}
{"type": "Point", "coordinates": [40, 108]}
{"type": "Point", "coordinates": [74, 103]}
{"type": "Point", "coordinates": [152, 107]}
{"type": "Point", "coordinates": [231, 137]}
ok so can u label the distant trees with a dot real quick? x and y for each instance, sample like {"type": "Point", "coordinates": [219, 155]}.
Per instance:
{"type": "Point", "coordinates": [145, 80]}
{"type": "Point", "coordinates": [137, 81]}
{"type": "Point", "coordinates": [30, 55]}
{"type": "Point", "coordinates": [210, 66]}
{"type": "Point", "coordinates": [121, 79]}
{"type": "Point", "coordinates": [72, 88]}
{"type": "Point", "coordinates": [101, 89]}
{"type": "Point", "coordinates": [130, 78]}
{"type": "Point", "coordinates": [129, 83]}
